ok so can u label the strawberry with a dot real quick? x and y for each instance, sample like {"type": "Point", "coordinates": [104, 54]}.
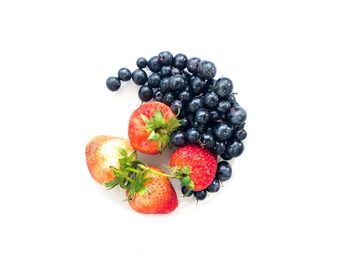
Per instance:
{"type": "Point", "coordinates": [158, 198]}
{"type": "Point", "coordinates": [150, 127]}
{"type": "Point", "coordinates": [102, 152]}
{"type": "Point", "coordinates": [194, 166]}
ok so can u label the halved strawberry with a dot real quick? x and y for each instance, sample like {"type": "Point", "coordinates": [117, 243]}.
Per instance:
{"type": "Point", "coordinates": [158, 196]}
{"type": "Point", "coordinates": [102, 152]}
{"type": "Point", "coordinates": [150, 127]}
{"type": "Point", "coordinates": [194, 166]}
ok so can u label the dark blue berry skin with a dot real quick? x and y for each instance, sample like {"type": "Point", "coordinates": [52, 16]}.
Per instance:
{"type": "Point", "coordinates": [219, 148]}
{"type": "Point", "coordinates": [185, 96]}
{"type": "Point", "coordinates": [236, 115]}
{"type": "Point", "coordinates": [139, 77]}
{"type": "Point", "coordinates": [124, 74]}
{"type": "Point", "coordinates": [165, 85]}
{"type": "Point", "coordinates": [180, 61]}
{"type": "Point", "coordinates": [210, 85]}
{"type": "Point", "coordinates": [223, 106]}
{"type": "Point", "coordinates": [222, 131]}
{"type": "Point", "coordinates": [214, 186]}
{"type": "Point", "coordinates": [210, 130]}
{"type": "Point", "coordinates": [197, 85]}
{"type": "Point", "coordinates": [166, 58]}
{"type": "Point", "coordinates": [141, 63]}
{"type": "Point", "coordinates": [185, 122]}
{"type": "Point", "coordinates": [193, 135]}
{"type": "Point", "coordinates": [214, 116]}
{"type": "Point", "coordinates": [224, 87]}
{"type": "Point", "coordinates": [184, 191]}
{"type": "Point", "coordinates": [223, 171]}
{"type": "Point", "coordinates": [226, 156]}
{"type": "Point", "coordinates": [200, 195]}
{"type": "Point", "coordinates": [210, 99]}
{"type": "Point", "coordinates": [208, 140]}
{"type": "Point", "coordinates": [232, 99]}
{"type": "Point", "coordinates": [202, 115]}
{"type": "Point", "coordinates": [178, 138]}
{"type": "Point", "coordinates": [177, 83]}
{"type": "Point", "coordinates": [113, 83]}
{"type": "Point", "coordinates": [168, 98]}
{"type": "Point", "coordinates": [145, 93]}
{"type": "Point", "coordinates": [241, 134]}
{"type": "Point", "coordinates": [165, 71]}
{"type": "Point", "coordinates": [206, 69]}
{"type": "Point", "coordinates": [176, 106]}
{"type": "Point", "coordinates": [192, 65]}
{"type": "Point", "coordinates": [175, 71]}
{"type": "Point", "coordinates": [154, 64]}
{"type": "Point", "coordinates": [199, 126]}
{"type": "Point", "coordinates": [194, 105]}
{"type": "Point", "coordinates": [234, 149]}
{"type": "Point", "coordinates": [154, 80]}
{"type": "Point", "coordinates": [158, 95]}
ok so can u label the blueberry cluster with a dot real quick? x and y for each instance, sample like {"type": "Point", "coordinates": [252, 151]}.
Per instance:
{"type": "Point", "coordinates": [223, 173]}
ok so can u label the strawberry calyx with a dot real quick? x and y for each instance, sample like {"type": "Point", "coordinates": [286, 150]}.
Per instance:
{"type": "Point", "coordinates": [183, 174]}
{"type": "Point", "coordinates": [159, 129]}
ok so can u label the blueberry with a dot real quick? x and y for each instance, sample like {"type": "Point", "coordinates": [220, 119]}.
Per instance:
{"type": "Point", "coordinates": [236, 115]}
{"type": "Point", "coordinates": [214, 115]}
{"type": "Point", "coordinates": [124, 74]}
{"type": "Point", "coordinates": [210, 85]}
{"type": "Point", "coordinates": [180, 61]}
{"type": "Point", "coordinates": [145, 93]}
{"type": "Point", "coordinates": [177, 82]}
{"type": "Point", "coordinates": [194, 105]}
{"type": "Point", "coordinates": [192, 65]}
{"type": "Point", "coordinates": [178, 138]}
{"type": "Point", "coordinates": [210, 130]}
{"type": "Point", "coordinates": [210, 99]}
{"type": "Point", "coordinates": [241, 134]}
{"type": "Point", "coordinates": [223, 106]}
{"type": "Point", "coordinates": [154, 80]}
{"type": "Point", "coordinates": [219, 148]}
{"type": "Point", "coordinates": [197, 85]}
{"type": "Point", "coordinates": [199, 126]}
{"type": "Point", "coordinates": [226, 156]}
{"type": "Point", "coordinates": [224, 87]}
{"type": "Point", "coordinates": [202, 115]}
{"type": "Point", "coordinates": [193, 135]}
{"type": "Point", "coordinates": [206, 69]}
{"type": "Point", "coordinates": [185, 122]}
{"type": "Point", "coordinates": [185, 191]}
{"type": "Point", "coordinates": [176, 106]}
{"type": "Point", "coordinates": [139, 77]}
{"type": "Point", "coordinates": [113, 83]}
{"type": "Point", "coordinates": [222, 131]}
{"type": "Point", "coordinates": [185, 95]}
{"type": "Point", "coordinates": [231, 99]}
{"type": "Point", "coordinates": [200, 195]}
{"type": "Point", "coordinates": [165, 71]}
{"type": "Point", "coordinates": [165, 57]}
{"type": "Point", "coordinates": [168, 98]}
{"type": "Point", "coordinates": [214, 186]}
{"type": "Point", "coordinates": [234, 149]}
{"type": "Point", "coordinates": [165, 85]}
{"type": "Point", "coordinates": [175, 71]}
{"type": "Point", "coordinates": [158, 95]}
{"type": "Point", "coordinates": [141, 62]}
{"type": "Point", "coordinates": [223, 171]}
{"type": "Point", "coordinates": [208, 140]}
{"type": "Point", "coordinates": [154, 64]}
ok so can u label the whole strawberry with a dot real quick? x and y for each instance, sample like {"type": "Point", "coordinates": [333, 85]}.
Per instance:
{"type": "Point", "coordinates": [150, 127]}
{"type": "Point", "coordinates": [158, 196]}
{"type": "Point", "coordinates": [194, 166]}
{"type": "Point", "coordinates": [101, 152]}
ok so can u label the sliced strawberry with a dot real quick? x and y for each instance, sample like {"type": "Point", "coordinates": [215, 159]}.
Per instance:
{"type": "Point", "coordinates": [194, 166]}
{"type": "Point", "coordinates": [150, 127]}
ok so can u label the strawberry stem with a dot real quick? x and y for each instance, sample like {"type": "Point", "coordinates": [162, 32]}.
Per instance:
{"type": "Point", "coordinates": [146, 168]}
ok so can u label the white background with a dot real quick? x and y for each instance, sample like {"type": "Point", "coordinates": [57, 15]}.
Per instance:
{"type": "Point", "coordinates": [289, 200]}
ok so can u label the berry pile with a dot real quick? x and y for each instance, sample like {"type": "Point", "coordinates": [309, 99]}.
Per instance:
{"type": "Point", "coordinates": [206, 108]}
